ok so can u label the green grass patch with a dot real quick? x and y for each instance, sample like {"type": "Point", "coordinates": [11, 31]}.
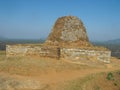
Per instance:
{"type": "Point", "coordinates": [110, 76]}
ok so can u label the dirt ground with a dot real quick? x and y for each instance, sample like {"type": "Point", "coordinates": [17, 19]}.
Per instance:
{"type": "Point", "coordinates": [46, 74]}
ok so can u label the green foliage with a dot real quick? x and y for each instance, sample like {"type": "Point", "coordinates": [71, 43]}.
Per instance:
{"type": "Point", "coordinates": [97, 88]}
{"type": "Point", "coordinates": [110, 76]}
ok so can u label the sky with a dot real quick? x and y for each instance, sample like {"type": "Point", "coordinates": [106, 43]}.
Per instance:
{"type": "Point", "coordinates": [34, 19]}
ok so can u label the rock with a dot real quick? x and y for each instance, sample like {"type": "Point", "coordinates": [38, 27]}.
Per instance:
{"type": "Point", "coordinates": [68, 29]}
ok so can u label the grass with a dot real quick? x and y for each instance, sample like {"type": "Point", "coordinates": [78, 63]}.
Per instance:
{"type": "Point", "coordinates": [2, 55]}
{"type": "Point", "coordinates": [81, 84]}
{"type": "Point", "coordinates": [29, 66]}
{"type": "Point", "coordinates": [94, 82]}
{"type": "Point", "coordinates": [109, 76]}
{"type": "Point", "coordinates": [5, 83]}
{"type": "Point", "coordinates": [34, 65]}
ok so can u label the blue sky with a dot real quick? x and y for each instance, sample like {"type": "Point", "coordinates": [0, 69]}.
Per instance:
{"type": "Point", "coordinates": [34, 19]}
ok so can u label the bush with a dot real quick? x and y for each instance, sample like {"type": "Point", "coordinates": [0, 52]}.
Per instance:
{"type": "Point", "coordinates": [110, 76]}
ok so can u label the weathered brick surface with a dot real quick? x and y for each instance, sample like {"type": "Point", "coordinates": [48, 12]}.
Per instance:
{"type": "Point", "coordinates": [68, 29]}
{"type": "Point", "coordinates": [82, 54]}
{"type": "Point", "coordinates": [68, 53]}
{"type": "Point", "coordinates": [21, 50]}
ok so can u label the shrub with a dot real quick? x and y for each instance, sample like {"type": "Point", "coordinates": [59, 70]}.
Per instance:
{"type": "Point", "coordinates": [110, 76]}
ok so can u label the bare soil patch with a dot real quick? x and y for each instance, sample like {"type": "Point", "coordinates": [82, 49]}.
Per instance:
{"type": "Point", "coordinates": [50, 74]}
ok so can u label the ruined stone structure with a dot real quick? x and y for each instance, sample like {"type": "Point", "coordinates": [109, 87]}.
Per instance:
{"type": "Point", "coordinates": [68, 30]}
{"type": "Point", "coordinates": [30, 50]}
{"type": "Point", "coordinates": [68, 39]}
{"type": "Point", "coordinates": [76, 54]}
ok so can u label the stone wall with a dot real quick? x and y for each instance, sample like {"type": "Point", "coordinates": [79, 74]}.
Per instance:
{"type": "Point", "coordinates": [68, 53]}
{"type": "Point", "coordinates": [21, 50]}
{"type": "Point", "coordinates": [82, 54]}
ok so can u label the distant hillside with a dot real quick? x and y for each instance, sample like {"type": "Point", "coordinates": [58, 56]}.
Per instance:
{"type": "Point", "coordinates": [2, 46]}
{"type": "Point", "coordinates": [113, 45]}
{"type": "Point", "coordinates": [4, 41]}
{"type": "Point", "coordinates": [20, 41]}
{"type": "Point", "coordinates": [115, 41]}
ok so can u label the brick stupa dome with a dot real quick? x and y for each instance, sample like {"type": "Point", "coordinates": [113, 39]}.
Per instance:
{"type": "Point", "coordinates": [68, 30]}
